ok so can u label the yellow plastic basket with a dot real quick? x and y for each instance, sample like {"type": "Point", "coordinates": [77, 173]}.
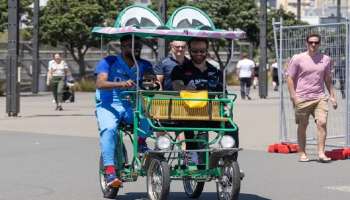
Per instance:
{"type": "Point", "coordinates": [176, 109]}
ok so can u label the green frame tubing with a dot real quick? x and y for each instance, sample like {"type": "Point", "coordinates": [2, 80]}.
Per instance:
{"type": "Point", "coordinates": [208, 173]}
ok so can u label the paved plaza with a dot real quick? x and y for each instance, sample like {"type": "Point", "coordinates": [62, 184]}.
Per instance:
{"type": "Point", "coordinates": [53, 155]}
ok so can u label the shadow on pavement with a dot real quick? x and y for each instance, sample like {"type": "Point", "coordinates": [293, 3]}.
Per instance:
{"type": "Point", "coordinates": [59, 115]}
{"type": "Point", "coordinates": [181, 195]}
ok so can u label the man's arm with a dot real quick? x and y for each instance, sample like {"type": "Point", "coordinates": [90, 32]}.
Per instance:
{"type": "Point", "coordinates": [291, 89]}
{"type": "Point", "coordinates": [330, 88]}
{"type": "Point", "coordinates": [103, 83]}
{"type": "Point", "coordinates": [160, 78]}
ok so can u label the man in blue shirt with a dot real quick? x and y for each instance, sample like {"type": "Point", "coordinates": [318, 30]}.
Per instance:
{"type": "Point", "coordinates": [116, 74]}
{"type": "Point", "coordinates": [164, 67]}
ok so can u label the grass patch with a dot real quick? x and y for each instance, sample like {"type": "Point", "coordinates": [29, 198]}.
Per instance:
{"type": "Point", "coordinates": [232, 79]}
{"type": "Point", "coordinates": [85, 85]}
{"type": "Point", "coordinates": [3, 37]}
{"type": "Point", "coordinates": [2, 87]}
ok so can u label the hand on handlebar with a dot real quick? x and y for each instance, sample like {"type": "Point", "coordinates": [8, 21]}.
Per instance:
{"type": "Point", "coordinates": [127, 84]}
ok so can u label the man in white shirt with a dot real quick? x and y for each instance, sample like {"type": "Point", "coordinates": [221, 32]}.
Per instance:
{"type": "Point", "coordinates": [245, 73]}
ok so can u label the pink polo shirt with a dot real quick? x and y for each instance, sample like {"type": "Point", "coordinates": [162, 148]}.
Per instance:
{"type": "Point", "coordinates": [308, 74]}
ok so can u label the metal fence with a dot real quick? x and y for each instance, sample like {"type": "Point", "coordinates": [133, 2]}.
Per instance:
{"type": "Point", "coordinates": [290, 40]}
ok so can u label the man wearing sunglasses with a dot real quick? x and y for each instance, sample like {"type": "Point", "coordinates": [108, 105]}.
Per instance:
{"type": "Point", "coordinates": [198, 74]}
{"type": "Point", "coordinates": [116, 74]}
{"type": "Point", "coordinates": [164, 68]}
{"type": "Point", "coordinates": [307, 74]}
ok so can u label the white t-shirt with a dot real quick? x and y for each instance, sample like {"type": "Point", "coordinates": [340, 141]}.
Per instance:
{"type": "Point", "coordinates": [57, 68]}
{"type": "Point", "coordinates": [245, 67]}
{"type": "Point", "coordinates": [274, 65]}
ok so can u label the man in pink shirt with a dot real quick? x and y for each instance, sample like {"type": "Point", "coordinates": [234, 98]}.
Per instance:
{"type": "Point", "coordinates": [307, 74]}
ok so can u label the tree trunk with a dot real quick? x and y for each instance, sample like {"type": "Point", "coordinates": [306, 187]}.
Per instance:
{"type": "Point", "coordinates": [81, 63]}
{"type": "Point", "coordinates": [79, 58]}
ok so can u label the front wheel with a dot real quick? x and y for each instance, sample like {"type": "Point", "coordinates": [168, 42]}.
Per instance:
{"type": "Point", "coordinates": [108, 192]}
{"type": "Point", "coordinates": [158, 180]}
{"type": "Point", "coordinates": [193, 188]}
{"type": "Point", "coordinates": [229, 184]}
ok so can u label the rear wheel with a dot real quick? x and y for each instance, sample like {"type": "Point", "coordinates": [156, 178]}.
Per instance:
{"type": "Point", "coordinates": [158, 180]}
{"type": "Point", "coordinates": [193, 188]}
{"type": "Point", "coordinates": [229, 184]}
{"type": "Point", "coordinates": [108, 192]}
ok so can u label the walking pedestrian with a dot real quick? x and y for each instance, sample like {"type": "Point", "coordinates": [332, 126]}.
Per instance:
{"type": "Point", "coordinates": [56, 75]}
{"type": "Point", "coordinates": [245, 72]}
{"type": "Point", "coordinates": [307, 74]}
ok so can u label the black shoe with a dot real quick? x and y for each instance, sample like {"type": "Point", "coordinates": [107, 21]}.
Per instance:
{"type": "Point", "coordinates": [59, 108]}
{"type": "Point", "coordinates": [249, 98]}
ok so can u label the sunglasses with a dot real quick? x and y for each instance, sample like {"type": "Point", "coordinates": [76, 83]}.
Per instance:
{"type": "Point", "coordinates": [198, 51]}
{"type": "Point", "coordinates": [312, 42]}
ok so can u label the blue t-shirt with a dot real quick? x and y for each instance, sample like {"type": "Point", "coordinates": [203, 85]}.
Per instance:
{"type": "Point", "coordinates": [165, 67]}
{"type": "Point", "coordinates": [118, 70]}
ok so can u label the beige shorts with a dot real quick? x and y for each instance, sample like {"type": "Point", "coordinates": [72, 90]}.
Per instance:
{"type": "Point", "coordinates": [318, 108]}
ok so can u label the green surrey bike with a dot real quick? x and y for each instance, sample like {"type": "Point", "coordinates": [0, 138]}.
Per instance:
{"type": "Point", "coordinates": [170, 113]}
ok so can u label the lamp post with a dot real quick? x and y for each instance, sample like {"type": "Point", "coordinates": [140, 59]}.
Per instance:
{"type": "Point", "coordinates": [162, 44]}
{"type": "Point", "coordinates": [263, 51]}
{"type": "Point", "coordinates": [35, 53]}
{"type": "Point", "coordinates": [299, 10]}
{"type": "Point", "coordinates": [12, 82]}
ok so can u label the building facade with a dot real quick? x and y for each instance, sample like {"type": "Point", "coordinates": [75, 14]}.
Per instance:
{"type": "Point", "coordinates": [317, 11]}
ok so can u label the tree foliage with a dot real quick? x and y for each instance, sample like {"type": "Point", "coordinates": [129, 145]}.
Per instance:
{"type": "Point", "coordinates": [229, 15]}
{"type": "Point", "coordinates": [172, 5]}
{"type": "Point", "coordinates": [289, 19]}
{"type": "Point", "coordinates": [69, 23]}
{"type": "Point", "coordinates": [24, 9]}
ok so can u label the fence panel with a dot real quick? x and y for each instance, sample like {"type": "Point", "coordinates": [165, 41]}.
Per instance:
{"type": "Point", "coordinates": [291, 40]}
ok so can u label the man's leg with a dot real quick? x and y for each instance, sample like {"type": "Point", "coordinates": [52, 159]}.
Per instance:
{"type": "Point", "coordinates": [321, 113]}
{"type": "Point", "coordinates": [242, 84]}
{"type": "Point", "coordinates": [54, 85]}
{"type": "Point", "coordinates": [302, 112]}
{"type": "Point", "coordinates": [107, 118]}
{"type": "Point", "coordinates": [248, 84]}
{"type": "Point", "coordinates": [302, 139]}
{"type": "Point", "coordinates": [60, 89]}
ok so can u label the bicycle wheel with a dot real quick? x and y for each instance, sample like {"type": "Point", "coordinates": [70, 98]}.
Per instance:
{"type": "Point", "coordinates": [108, 192]}
{"type": "Point", "coordinates": [158, 180]}
{"type": "Point", "coordinates": [229, 184]}
{"type": "Point", "coordinates": [193, 188]}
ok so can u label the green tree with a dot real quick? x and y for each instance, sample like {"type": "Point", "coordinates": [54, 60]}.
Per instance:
{"type": "Point", "coordinates": [69, 23]}
{"type": "Point", "coordinates": [289, 19]}
{"type": "Point", "coordinates": [229, 15]}
{"type": "Point", "coordinates": [172, 6]}
{"type": "Point", "coordinates": [24, 9]}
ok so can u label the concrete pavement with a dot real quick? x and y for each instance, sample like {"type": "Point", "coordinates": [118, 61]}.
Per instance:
{"type": "Point", "coordinates": [53, 155]}
{"type": "Point", "coordinates": [257, 119]}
